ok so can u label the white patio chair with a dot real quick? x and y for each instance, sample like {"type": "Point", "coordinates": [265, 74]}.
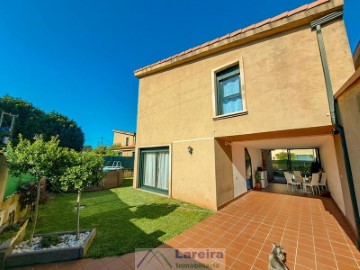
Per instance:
{"type": "Point", "coordinates": [298, 176]}
{"type": "Point", "coordinates": [322, 183]}
{"type": "Point", "coordinates": [314, 184]}
{"type": "Point", "coordinates": [289, 180]}
{"type": "Point", "coordinates": [298, 179]}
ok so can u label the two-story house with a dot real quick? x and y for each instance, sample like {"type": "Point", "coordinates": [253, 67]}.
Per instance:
{"type": "Point", "coordinates": [205, 112]}
{"type": "Point", "coordinates": [124, 143]}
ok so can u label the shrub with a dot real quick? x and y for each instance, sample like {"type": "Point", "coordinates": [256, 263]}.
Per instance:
{"type": "Point", "coordinates": [50, 240]}
{"type": "Point", "coordinates": [9, 232]}
{"type": "Point", "coordinates": [28, 195]}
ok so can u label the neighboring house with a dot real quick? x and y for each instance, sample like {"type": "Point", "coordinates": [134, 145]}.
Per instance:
{"type": "Point", "coordinates": [124, 143]}
{"type": "Point", "coordinates": [264, 87]}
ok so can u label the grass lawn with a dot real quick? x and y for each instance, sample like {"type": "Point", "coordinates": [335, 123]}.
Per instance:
{"type": "Point", "coordinates": [124, 218]}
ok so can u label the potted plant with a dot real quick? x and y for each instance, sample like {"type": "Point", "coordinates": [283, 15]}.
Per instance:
{"type": "Point", "coordinates": [257, 180]}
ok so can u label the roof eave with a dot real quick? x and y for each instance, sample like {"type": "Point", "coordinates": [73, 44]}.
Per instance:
{"type": "Point", "coordinates": [269, 27]}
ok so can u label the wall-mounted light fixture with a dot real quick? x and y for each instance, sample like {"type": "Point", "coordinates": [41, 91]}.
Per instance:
{"type": "Point", "coordinates": [334, 131]}
{"type": "Point", "coordinates": [190, 150]}
{"type": "Point", "coordinates": [227, 143]}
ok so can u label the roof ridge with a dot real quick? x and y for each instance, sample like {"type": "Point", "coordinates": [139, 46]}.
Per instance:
{"type": "Point", "coordinates": [240, 31]}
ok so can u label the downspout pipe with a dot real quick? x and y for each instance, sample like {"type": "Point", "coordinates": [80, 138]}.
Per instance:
{"type": "Point", "coordinates": [335, 113]}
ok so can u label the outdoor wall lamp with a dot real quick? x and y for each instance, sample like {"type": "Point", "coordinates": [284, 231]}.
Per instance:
{"type": "Point", "coordinates": [334, 131]}
{"type": "Point", "coordinates": [190, 150]}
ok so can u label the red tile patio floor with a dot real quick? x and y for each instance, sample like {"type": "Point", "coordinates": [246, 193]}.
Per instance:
{"type": "Point", "coordinates": [311, 230]}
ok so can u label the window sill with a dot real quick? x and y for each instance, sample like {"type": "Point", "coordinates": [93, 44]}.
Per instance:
{"type": "Point", "coordinates": [155, 190]}
{"type": "Point", "coordinates": [229, 115]}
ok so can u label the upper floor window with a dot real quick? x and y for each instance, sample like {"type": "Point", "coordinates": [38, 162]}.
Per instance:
{"type": "Point", "coordinates": [127, 141]}
{"type": "Point", "coordinates": [228, 88]}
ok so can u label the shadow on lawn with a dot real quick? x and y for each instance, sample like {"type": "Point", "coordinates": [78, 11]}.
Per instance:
{"type": "Point", "coordinates": [114, 221]}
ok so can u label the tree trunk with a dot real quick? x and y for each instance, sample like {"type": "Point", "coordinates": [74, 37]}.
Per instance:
{"type": "Point", "coordinates": [36, 210]}
{"type": "Point", "coordinates": [78, 215]}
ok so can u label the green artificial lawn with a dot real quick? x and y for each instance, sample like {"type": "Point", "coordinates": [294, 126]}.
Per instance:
{"type": "Point", "coordinates": [13, 183]}
{"type": "Point", "coordinates": [124, 218]}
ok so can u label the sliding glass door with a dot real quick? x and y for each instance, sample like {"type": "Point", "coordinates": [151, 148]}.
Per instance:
{"type": "Point", "coordinates": [154, 169]}
{"type": "Point", "coordinates": [292, 160]}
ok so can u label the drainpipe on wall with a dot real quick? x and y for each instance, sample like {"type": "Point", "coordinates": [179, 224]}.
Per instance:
{"type": "Point", "coordinates": [334, 113]}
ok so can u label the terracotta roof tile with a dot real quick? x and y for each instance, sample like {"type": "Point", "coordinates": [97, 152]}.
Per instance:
{"type": "Point", "coordinates": [196, 48]}
{"type": "Point", "coordinates": [224, 37]}
{"type": "Point", "coordinates": [299, 9]}
{"type": "Point", "coordinates": [248, 28]}
{"type": "Point", "coordinates": [237, 32]}
{"type": "Point", "coordinates": [279, 17]}
{"type": "Point", "coordinates": [262, 23]}
{"type": "Point", "coordinates": [214, 41]}
{"type": "Point", "coordinates": [205, 44]}
{"type": "Point", "coordinates": [316, 3]}
{"type": "Point", "coordinates": [188, 51]}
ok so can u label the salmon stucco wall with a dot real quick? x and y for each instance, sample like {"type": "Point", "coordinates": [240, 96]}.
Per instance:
{"type": "Point", "coordinates": [349, 106]}
{"type": "Point", "coordinates": [338, 53]}
{"type": "Point", "coordinates": [193, 175]}
{"type": "Point", "coordinates": [239, 170]}
{"type": "Point", "coordinates": [224, 173]}
{"type": "Point", "coordinates": [348, 208]}
{"type": "Point", "coordinates": [330, 165]}
{"type": "Point", "coordinates": [179, 102]}
{"type": "Point", "coordinates": [283, 88]}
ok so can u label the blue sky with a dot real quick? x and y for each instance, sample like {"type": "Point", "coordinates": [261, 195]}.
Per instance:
{"type": "Point", "coordinates": [78, 57]}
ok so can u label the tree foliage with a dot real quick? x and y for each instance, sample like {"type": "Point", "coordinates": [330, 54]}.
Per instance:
{"type": "Point", "coordinates": [46, 159]}
{"type": "Point", "coordinates": [103, 150]}
{"type": "Point", "coordinates": [284, 156]}
{"type": "Point", "coordinates": [87, 148]}
{"type": "Point", "coordinates": [32, 121]}
{"type": "Point", "coordinates": [70, 135]}
{"type": "Point", "coordinates": [39, 158]}
{"type": "Point", "coordinates": [84, 172]}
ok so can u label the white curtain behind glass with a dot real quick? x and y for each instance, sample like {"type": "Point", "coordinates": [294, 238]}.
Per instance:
{"type": "Point", "coordinates": [149, 169]}
{"type": "Point", "coordinates": [163, 171]}
{"type": "Point", "coordinates": [231, 87]}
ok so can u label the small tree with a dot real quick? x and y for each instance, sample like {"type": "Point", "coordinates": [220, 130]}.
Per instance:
{"type": "Point", "coordinates": [85, 171]}
{"type": "Point", "coordinates": [103, 150]}
{"type": "Point", "coordinates": [40, 159]}
{"type": "Point", "coordinates": [284, 156]}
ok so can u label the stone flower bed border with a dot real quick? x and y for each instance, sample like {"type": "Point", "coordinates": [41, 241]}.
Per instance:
{"type": "Point", "coordinates": [50, 255]}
